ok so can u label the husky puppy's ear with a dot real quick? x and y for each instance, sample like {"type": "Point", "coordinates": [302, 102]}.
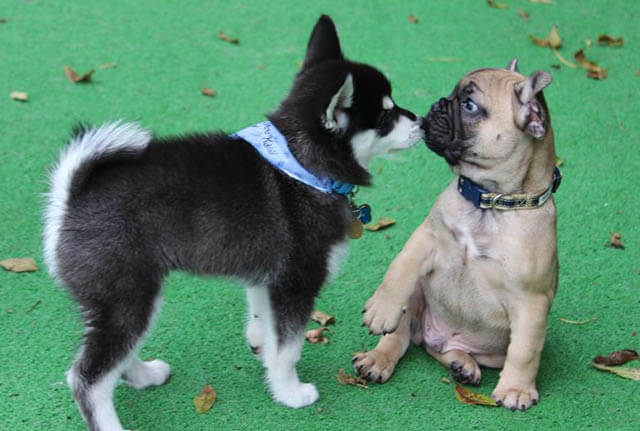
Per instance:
{"type": "Point", "coordinates": [530, 115]}
{"type": "Point", "coordinates": [334, 118]}
{"type": "Point", "coordinates": [323, 44]}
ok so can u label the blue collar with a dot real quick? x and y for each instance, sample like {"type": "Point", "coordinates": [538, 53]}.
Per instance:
{"type": "Point", "coordinates": [272, 145]}
{"type": "Point", "coordinates": [484, 199]}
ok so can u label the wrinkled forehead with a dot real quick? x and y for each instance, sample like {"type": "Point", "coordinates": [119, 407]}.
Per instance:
{"type": "Point", "coordinates": [488, 81]}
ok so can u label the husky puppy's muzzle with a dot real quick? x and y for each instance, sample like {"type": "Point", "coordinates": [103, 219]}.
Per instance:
{"type": "Point", "coordinates": [443, 129]}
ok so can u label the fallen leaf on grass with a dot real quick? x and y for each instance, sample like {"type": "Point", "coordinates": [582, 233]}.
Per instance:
{"type": "Point", "coordinates": [19, 264]}
{"type": "Point", "coordinates": [554, 42]}
{"type": "Point", "coordinates": [542, 1]}
{"type": "Point", "coordinates": [632, 373]}
{"type": "Point", "coordinates": [593, 70]}
{"type": "Point", "coordinates": [205, 399]}
{"type": "Point", "coordinates": [347, 379]}
{"type": "Point", "coordinates": [524, 15]}
{"type": "Point", "coordinates": [445, 380]}
{"type": "Point", "coordinates": [208, 92]}
{"type": "Point", "coordinates": [381, 224]}
{"type": "Point", "coordinates": [19, 95]}
{"type": "Point", "coordinates": [619, 357]}
{"type": "Point", "coordinates": [638, 72]}
{"type": "Point", "coordinates": [559, 162]}
{"type": "Point", "coordinates": [3, 20]}
{"type": "Point", "coordinates": [34, 306]}
{"type": "Point", "coordinates": [412, 19]}
{"type": "Point", "coordinates": [467, 396]}
{"type": "Point", "coordinates": [323, 318]}
{"type": "Point", "coordinates": [443, 59]}
{"type": "Point", "coordinates": [315, 336]}
{"type": "Point", "coordinates": [614, 241]}
{"type": "Point", "coordinates": [497, 5]}
{"type": "Point", "coordinates": [226, 38]}
{"type": "Point", "coordinates": [75, 77]}
{"type": "Point", "coordinates": [613, 42]}
{"type": "Point", "coordinates": [577, 322]}
{"type": "Point", "coordinates": [108, 66]}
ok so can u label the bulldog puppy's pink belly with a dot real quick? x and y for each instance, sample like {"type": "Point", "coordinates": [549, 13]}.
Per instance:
{"type": "Point", "coordinates": [440, 335]}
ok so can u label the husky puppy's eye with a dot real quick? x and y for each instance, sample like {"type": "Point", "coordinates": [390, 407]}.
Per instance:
{"type": "Point", "coordinates": [469, 106]}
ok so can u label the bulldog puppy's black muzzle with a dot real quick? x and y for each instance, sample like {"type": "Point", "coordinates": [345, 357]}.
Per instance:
{"type": "Point", "coordinates": [443, 129]}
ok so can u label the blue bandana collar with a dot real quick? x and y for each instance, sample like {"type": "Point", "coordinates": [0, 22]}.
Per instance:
{"type": "Point", "coordinates": [273, 147]}
{"type": "Point", "coordinates": [483, 199]}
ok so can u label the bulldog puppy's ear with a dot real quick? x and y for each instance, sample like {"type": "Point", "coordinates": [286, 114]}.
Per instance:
{"type": "Point", "coordinates": [530, 116]}
{"type": "Point", "coordinates": [513, 65]}
{"type": "Point", "coordinates": [334, 118]}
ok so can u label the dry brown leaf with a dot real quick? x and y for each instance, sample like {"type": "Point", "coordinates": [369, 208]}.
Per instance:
{"type": "Point", "coordinates": [497, 5]}
{"type": "Point", "coordinates": [443, 59]}
{"type": "Point", "coordinates": [632, 373]}
{"type": "Point", "coordinates": [613, 42]}
{"type": "Point", "coordinates": [638, 72]}
{"type": "Point", "coordinates": [412, 19]}
{"type": "Point", "coordinates": [524, 15]}
{"type": "Point", "coordinates": [109, 66]}
{"type": "Point", "coordinates": [75, 77]}
{"type": "Point", "coordinates": [381, 224]}
{"type": "Point", "coordinates": [347, 379]}
{"type": "Point", "coordinates": [323, 318]}
{"type": "Point", "coordinates": [226, 38]}
{"type": "Point", "coordinates": [467, 396]}
{"type": "Point", "coordinates": [542, 1]}
{"type": "Point", "coordinates": [208, 92]}
{"type": "Point", "coordinates": [619, 357]}
{"type": "Point", "coordinates": [539, 41]}
{"type": "Point", "coordinates": [205, 399]}
{"type": "Point", "coordinates": [614, 241]}
{"type": "Point", "coordinates": [315, 336]}
{"type": "Point", "coordinates": [19, 264]}
{"type": "Point", "coordinates": [261, 66]}
{"type": "Point", "coordinates": [19, 95]}
{"type": "Point", "coordinates": [593, 70]}
{"type": "Point", "coordinates": [577, 322]}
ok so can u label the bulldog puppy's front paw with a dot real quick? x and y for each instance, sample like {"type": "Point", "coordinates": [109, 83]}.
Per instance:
{"type": "Point", "coordinates": [515, 397]}
{"type": "Point", "coordinates": [382, 313]}
{"type": "Point", "coordinates": [374, 365]}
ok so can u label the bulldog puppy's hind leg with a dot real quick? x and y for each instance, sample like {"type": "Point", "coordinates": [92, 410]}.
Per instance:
{"type": "Point", "coordinates": [463, 368]}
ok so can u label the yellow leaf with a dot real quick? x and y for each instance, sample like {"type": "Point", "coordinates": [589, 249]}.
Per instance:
{"type": "Point", "coordinates": [382, 223]}
{"type": "Point", "coordinates": [19, 95]}
{"type": "Point", "coordinates": [467, 396]}
{"type": "Point", "coordinates": [497, 5]}
{"type": "Point", "coordinates": [20, 264]}
{"type": "Point", "coordinates": [323, 318]}
{"type": "Point", "coordinates": [205, 399]}
{"type": "Point", "coordinates": [577, 322]}
{"type": "Point", "coordinates": [554, 38]}
{"type": "Point", "coordinates": [632, 373]}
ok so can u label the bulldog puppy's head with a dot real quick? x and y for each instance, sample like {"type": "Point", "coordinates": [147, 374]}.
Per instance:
{"type": "Point", "coordinates": [488, 128]}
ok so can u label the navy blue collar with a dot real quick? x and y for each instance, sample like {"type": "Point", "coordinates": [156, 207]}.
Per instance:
{"type": "Point", "coordinates": [485, 199]}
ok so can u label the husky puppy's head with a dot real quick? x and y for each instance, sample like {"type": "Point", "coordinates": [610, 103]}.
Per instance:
{"type": "Point", "coordinates": [339, 114]}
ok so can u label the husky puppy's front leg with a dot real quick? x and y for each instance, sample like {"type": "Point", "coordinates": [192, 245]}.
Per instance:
{"type": "Point", "coordinates": [516, 388]}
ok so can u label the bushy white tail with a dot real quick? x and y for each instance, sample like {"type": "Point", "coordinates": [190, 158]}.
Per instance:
{"type": "Point", "coordinates": [89, 144]}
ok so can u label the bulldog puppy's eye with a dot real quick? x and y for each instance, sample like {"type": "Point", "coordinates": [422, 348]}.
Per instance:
{"type": "Point", "coordinates": [469, 106]}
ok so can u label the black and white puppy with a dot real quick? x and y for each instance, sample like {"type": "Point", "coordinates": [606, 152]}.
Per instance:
{"type": "Point", "coordinates": [125, 208]}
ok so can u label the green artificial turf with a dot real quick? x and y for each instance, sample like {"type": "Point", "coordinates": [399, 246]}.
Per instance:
{"type": "Point", "coordinates": [167, 51]}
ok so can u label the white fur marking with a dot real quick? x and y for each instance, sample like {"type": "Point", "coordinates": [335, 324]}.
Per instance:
{"type": "Point", "coordinates": [337, 255]}
{"type": "Point", "coordinates": [387, 103]}
{"type": "Point", "coordinates": [368, 144]}
{"type": "Point", "coordinates": [258, 314]}
{"type": "Point", "coordinates": [94, 143]}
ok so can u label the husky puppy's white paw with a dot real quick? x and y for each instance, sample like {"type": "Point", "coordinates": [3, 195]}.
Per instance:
{"type": "Point", "coordinates": [302, 395]}
{"type": "Point", "coordinates": [148, 373]}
